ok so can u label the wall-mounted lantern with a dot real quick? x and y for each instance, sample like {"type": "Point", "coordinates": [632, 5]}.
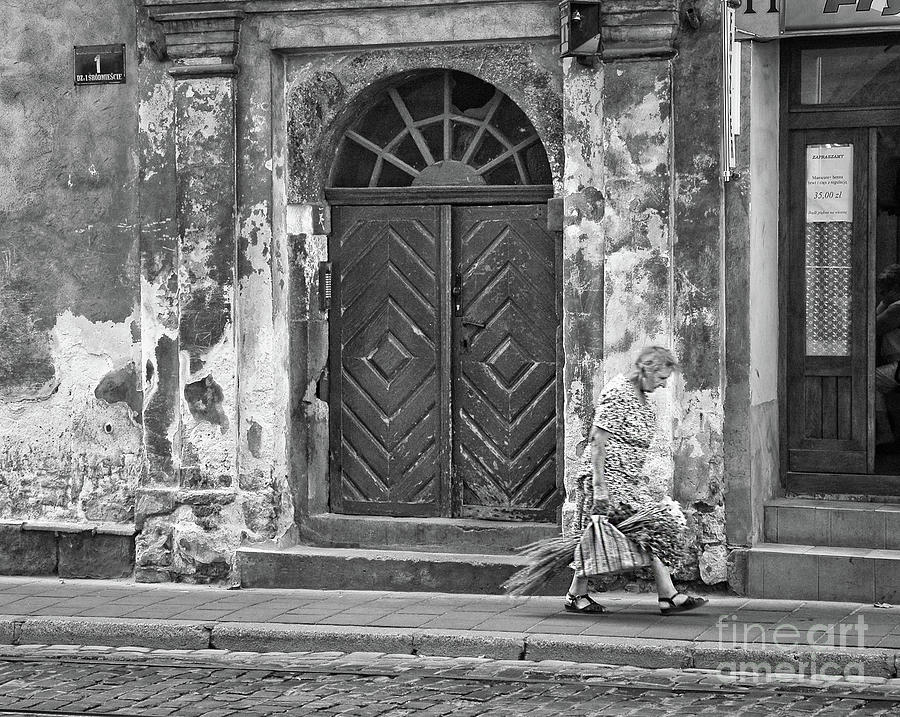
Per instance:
{"type": "Point", "coordinates": [579, 28]}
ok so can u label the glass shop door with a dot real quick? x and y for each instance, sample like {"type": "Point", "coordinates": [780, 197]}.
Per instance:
{"type": "Point", "coordinates": [841, 267]}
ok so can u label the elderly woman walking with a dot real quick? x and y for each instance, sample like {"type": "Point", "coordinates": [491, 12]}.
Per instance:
{"type": "Point", "coordinates": [613, 482]}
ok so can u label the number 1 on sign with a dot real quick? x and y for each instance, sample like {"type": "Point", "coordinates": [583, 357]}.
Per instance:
{"type": "Point", "coordinates": [97, 63]}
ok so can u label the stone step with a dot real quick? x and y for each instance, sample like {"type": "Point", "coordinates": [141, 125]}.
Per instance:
{"type": "Point", "coordinates": [809, 572]}
{"type": "Point", "coordinates": [313, 567]}
{"type": "Point", "coordinates": [833, 523]}
{"type": "Point", "coordinates": [437, 535]}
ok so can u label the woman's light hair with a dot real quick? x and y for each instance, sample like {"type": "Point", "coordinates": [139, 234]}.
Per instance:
{"type": "Point", "coordinates": [652, 359]}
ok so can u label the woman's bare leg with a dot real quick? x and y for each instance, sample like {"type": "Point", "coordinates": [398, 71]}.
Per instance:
{"type": "Point", "coordinates": [579, 586]}
{"type": "Point", "coordinates": [665, 588]}
{"type": "Point", "coordinates": [578, 599]}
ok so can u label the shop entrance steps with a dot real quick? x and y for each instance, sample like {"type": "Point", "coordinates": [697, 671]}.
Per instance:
{"type": "Point", "coordinates": [827, 550]}
{"type": "Point", "coordinates": [343, 552]}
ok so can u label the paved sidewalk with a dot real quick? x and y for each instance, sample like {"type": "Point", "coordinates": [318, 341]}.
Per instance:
{"type": "Point", "coordinates": [729, 633]}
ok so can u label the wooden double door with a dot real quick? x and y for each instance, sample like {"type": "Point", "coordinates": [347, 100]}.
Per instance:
{"type": "Point", "coordinates": [444, 327]}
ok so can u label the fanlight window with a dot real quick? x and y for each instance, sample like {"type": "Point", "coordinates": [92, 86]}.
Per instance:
{"type": "Point", "coordinates": [442, 129]}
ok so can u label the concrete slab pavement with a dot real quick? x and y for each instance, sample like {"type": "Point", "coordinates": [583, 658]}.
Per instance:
{"type": "Point", "coordinates": [730, 633]}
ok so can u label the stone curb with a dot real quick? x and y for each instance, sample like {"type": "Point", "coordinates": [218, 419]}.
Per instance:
{"type": "Point", "coordinates": [801, 659]}
{"type": "Point", "coordinates": [633, 651]}
{"type": "Point", "coordinates": [265, 637]}
{"type": "Point", "coordinates": [114, 632]}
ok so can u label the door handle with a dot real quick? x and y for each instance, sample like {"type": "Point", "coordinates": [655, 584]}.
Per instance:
{"type": "Point", "coordinates": [466, 342]}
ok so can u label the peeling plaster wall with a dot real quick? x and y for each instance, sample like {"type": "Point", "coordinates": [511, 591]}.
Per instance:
{"type": "Point", "coordinates": [69, 328]}
{"type": "Point", "coordinates": [637, 230]}
{"type": "Point", "coordinates": [203, 313]}
{"type": "Point", "coordinates": [582, 257]}
{"type": "Point", "coordinates": [68, 455]}
{"type": "Point", "coordinates": [216, 306]}
{"type": "Point", "coordinates": [309, 347]}
{"type": "Point", "coordinates": [642, 262]}
{"type": "Point", "coordinates": [214, 435]}
{"type": "Point", "coordinates": [698, 301]}
{"type": "Point", "coordinates": [263, 302]}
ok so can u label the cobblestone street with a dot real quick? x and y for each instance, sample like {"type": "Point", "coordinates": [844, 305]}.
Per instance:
{"type": "Point", "coordinates": [73, 680]}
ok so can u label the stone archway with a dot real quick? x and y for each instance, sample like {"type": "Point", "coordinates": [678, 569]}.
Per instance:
{"type": "Point", "coordinates": [438, 129]}
{"type": "Point", "coordinates": [324, 94]}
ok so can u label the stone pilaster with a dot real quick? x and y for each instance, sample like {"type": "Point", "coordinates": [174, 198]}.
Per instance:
{"type": "Point", "coordinates": [582, 257]}
{"type": "Point", "coordinates": [188, 507]}
{"type": "Point", "coordinates": [661, 243]}
{"type": "Point", "coordinates": [698, 260]}
{"type": "Point", "coordinates": [637, 232]}
{"type": "Point", "coordinates": [642, 246]}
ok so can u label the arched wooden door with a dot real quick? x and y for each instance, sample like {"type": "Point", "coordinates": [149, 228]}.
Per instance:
{"type": "Point", "coordinates": [445, 312]}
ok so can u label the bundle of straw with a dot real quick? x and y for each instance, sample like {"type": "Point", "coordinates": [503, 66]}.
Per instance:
{"type": "Point", "coordinates": [550, 556]}
{"type": "Point", "coordinates": [546, 558]}
{"type": "Point", "coordinates": [656, 529]}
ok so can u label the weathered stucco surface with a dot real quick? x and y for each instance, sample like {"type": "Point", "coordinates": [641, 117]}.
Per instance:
{"type": "Point", "coordinates": [364, 23]}
{"type": "Point", "coordinates": [69, 394]}
{"type": "Point", "coordinates": [637, 227]}
{"type": "Point", "coordinates": [697, 298]}
{"type": "Point", "coordinates": [582, 257]}
{"type": "Point", "coordinates": [215, 427]}
{"type": "Point", "coordinates": [161, 343]}
{"type": "Point", "coordinates": [642, 230]}
{"type": "Point", "coordinates": [264, 301]}
{"type": "Point", "coordinates": [68, 455]}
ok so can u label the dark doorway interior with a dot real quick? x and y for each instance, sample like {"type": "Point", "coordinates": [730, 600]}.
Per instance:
{"type": "Point", "coordinates": [887, 255]}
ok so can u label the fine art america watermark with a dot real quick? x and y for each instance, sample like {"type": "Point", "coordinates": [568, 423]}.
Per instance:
{"type": "Point", "coordinates": [818, 648]}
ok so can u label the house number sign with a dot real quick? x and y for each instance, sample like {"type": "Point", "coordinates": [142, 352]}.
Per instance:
{"type": "Point", "coordinates": [99, 64]}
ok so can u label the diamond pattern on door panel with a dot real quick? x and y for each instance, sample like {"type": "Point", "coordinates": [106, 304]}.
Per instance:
{"type": "Point", "coordinates": [508, 362]}
{"type": "Point", "coordinates": [505, 394]}
{"type": "Point", "coordinates": [389, 357]}
{"type": "Point", "coordinates": [389, 390]}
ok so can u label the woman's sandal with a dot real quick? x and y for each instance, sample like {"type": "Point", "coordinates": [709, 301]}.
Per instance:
{"type": "Point", "coordinates": [590, 608]}
{"type": "Point", "coordinates": [690, 603]}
